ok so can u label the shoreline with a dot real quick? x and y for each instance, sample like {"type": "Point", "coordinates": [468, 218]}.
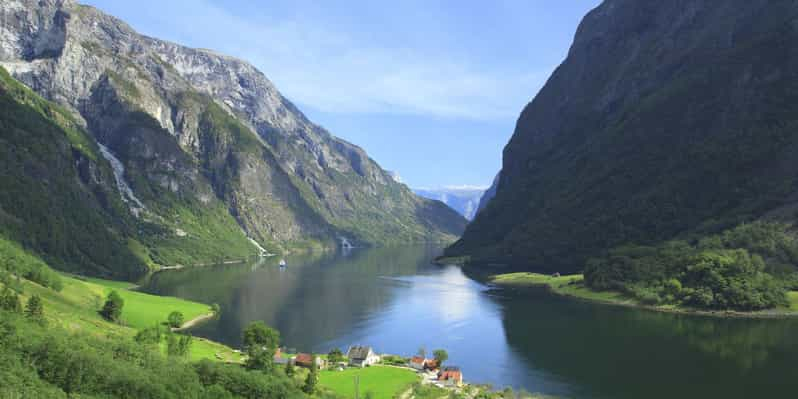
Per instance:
{"type": "Point", "coordinates": [195, 322]}
{"type": "Point", "coordinates": [571, 287]}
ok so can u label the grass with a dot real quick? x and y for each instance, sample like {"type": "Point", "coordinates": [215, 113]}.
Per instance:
{"type": "Point", "coordinates": [75, 308]}
{"type": "Point", "coordinates": [143, 310]}
{"type": "Point", "coordinates": [573, 285]}
{"type": "Point", "coordinates": [793, 297]}
{"type": "Point", "coordinates": [383, 382]}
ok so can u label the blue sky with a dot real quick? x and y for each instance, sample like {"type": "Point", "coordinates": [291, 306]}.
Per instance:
{"type": "Point", "coordinates": [430, 89]}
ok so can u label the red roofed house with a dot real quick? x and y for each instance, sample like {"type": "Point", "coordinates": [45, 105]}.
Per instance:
{"type": "Point", "coordinates": [306, 359]}
{"type": "Point", "coordinates": [451, 376]}
{"type": "Point", "coordinates": [418, 362]}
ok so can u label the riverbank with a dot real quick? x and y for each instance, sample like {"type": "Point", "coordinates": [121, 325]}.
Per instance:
{"type": "Point", "coordinates": [572, 286]}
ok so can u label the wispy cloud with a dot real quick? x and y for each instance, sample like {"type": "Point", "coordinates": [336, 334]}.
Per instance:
{"type": "Point", "coordinates": [334, 72]}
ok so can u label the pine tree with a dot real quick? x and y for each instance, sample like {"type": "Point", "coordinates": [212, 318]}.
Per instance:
{"type": "Point", "coordinates": [34, 310]}
{"type": "Point", "coordinates": [313, 378]}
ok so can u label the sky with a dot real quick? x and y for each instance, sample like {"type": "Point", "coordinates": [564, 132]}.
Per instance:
{"type": "Point", "coordinates": [430, 89]}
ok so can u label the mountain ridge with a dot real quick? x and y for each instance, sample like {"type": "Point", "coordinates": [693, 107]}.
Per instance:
{"type": "Point", "coordinates": [666, 119]}
{"type": "Point", "coordinates": [207, 139]}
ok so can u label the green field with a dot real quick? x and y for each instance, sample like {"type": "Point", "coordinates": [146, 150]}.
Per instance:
{"type": "Point", "coordinates": [383, 382]}
{"type": "Point", "coordinates": [75, 308]}
{"type": "Point", "coordinates": [793, 297]}
{"type": "Point", "coordinates": [142, 310]}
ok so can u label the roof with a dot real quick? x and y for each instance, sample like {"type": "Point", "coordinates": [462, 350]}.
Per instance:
{"type": "Point", "coordinates": [450, 375]}
{"type": "Point", "coordinates": [304, 358]}
{"type": "Point", "coordinates": [417, 359]}
{"type": "Point", "coordinates": [451, 368]}
{"type": "Point", "coordinates": [358, 352]}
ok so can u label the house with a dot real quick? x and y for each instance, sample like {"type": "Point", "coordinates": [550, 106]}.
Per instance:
{"type": "Point", "coordinates": [431, 364]}
{"type": "Point", "coordinates": [361, 356]}
{"type": "Point", "coordinates": [451, 376]}
{"type": "Point", "coordinates": [281, 358]}
{"type": "Point", "coordinates": [306, 359]}
{"type": "Point", "coordinates": [418, 363]}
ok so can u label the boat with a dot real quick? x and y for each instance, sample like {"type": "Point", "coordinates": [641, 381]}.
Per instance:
{"type": "Point", "coordinates": [282, 263]}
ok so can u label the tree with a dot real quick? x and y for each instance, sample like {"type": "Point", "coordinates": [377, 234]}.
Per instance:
{"type": "Point", "coordinates": [178, 345]}
{"type": "Point", "coordinates": [289, 369]}
{"type": "Point", "coordinates": [440, 356]}
{"type": "Point", "coordinates": [34, 310]}
{"type": "Point", "coordinates": [175, 319]}
{"type": "Point", "coordinates": [112, 310]}
{"type": "Point", "coordinates": [335, 356]}
{"type": "Point", "coordinates": [312, 379]}
{"type": "Point", "coordinates": [260, 342]}
{"type": "Point", "coordinates": [9, 300]}
{"type": "Point", "coordinates": [149, 336]}
{"type": "Point", "coordinates": [216, 309]}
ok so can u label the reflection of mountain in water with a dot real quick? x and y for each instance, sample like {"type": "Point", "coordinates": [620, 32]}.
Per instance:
{"type": "Point", "coordinates": [629, 353]}
{"type": "Point", "coordinates": [312, 300]}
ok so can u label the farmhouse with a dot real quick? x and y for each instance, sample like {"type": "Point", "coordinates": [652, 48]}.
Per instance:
{"type": "Point", "coordinates": [306, 360]}
{"type": "Point", "coordinates": [362, 356]}
{"type": "Point", "coordinates": [451, 376]}
{"type": "Point", "coordinates": [279, 358]}
{"type": "Point", "coordinates": [418, 362]}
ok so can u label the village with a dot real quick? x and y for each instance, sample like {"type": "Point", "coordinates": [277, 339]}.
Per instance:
{"type": "Point", "coordinates": [431, 370]}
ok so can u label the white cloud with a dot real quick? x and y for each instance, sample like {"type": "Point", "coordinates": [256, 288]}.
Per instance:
{"type": "Point", "coordinates": [334, 72]}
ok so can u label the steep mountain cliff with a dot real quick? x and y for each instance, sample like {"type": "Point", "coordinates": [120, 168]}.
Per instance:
{"type": "Point", "coordinates": [667, 118]}
{"type": "Point", "coordinates": [203, 157]}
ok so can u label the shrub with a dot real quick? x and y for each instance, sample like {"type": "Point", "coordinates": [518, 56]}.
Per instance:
{"type": "Point", "coordinates": [112, 310]}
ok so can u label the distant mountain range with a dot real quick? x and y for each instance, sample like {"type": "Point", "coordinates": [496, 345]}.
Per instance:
{"type": "Point", "coordinates": [463, 199]}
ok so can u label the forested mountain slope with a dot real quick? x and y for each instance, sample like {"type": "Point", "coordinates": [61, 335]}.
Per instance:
{"type": "Point", "coordinates": [667, 119]}
{"type": "Point", "coordinates": [185, 155]}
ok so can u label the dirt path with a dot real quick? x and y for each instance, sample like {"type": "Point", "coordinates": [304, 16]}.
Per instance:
{"type": "Point", "coordinates": [193, 322]}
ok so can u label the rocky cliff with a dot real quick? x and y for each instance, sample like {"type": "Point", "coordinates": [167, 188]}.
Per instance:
{"type": "Point", "coordinates": [204, 149]}
{"type": "Point", "coordinates": [667, 118]}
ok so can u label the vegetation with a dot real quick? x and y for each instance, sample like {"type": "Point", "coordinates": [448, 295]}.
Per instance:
{"type": "Point", "coordinates": [440, 356]}
{"type": "Point", "coordinates": [112, 310]}
{"type": "Point", "coordinates": [382, 381]}
{"type": "Point", "coordinates": [34, 310]}
{"type": "Point", "coordinates": [335, 356]}
{"type": "Point", "coordinates": [750, 267]}
{"type": "Point", "coordinates": [261, 343]}
{"type": "Point", "coordinates": [312, 380]}
{"type": "Point", "coordinates": [688, 154]}
{"type": "Point", "coordinates": [80, 354]}
{"type": "Point", "coordinates": [175, 319]}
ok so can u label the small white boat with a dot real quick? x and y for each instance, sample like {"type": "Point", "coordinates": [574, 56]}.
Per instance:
{"type": "Point", "coordinates": [282, 263]}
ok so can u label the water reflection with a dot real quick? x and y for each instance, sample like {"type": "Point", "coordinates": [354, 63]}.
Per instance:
{"type": "Point", "coordinates": [397, 301]}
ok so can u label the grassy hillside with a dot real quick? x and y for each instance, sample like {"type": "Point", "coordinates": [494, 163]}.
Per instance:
{"type": "Point", "coordinates": [68, 350]}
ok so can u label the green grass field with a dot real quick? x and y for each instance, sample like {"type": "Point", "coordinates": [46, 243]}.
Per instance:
{"type": "Point", "coordinates": [143, 310]}
{"type": "Point", "coordinates": [75, 308]}
{"type": "Point", "coordinates": [383, 382]}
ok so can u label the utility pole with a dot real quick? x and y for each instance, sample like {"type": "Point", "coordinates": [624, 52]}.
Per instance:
{"type": "Point", "coordinates": [357, 387]}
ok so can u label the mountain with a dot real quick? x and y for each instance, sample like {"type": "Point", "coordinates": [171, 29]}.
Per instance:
{"type": "Point", "coordinates": [667, 118]}
{"type": "Point", "coordinates": [175, 155]}
{"type": "Point", "coordinates": [464, 200]}
{"type": "Point", "coordinates": [488, 194]}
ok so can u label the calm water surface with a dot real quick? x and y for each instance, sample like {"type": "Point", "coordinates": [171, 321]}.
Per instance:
{"type": "Point", "coordinates": [395, 300]}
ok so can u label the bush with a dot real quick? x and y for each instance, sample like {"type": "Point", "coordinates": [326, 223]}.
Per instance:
{"type": "Point", "coordinates": [175, 319]}
{"type": "Point", "coordinates": [112, 310]}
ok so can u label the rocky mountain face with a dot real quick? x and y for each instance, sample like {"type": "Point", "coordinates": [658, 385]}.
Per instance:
{"type": "Point", "coordinates": [205, 154]}
{"type": "Point", "coordinates": [667, 118]}
{"type": "Point", "coordinates": [464, 200]}
{"type": "Point", "coordinates": [488, 194]}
